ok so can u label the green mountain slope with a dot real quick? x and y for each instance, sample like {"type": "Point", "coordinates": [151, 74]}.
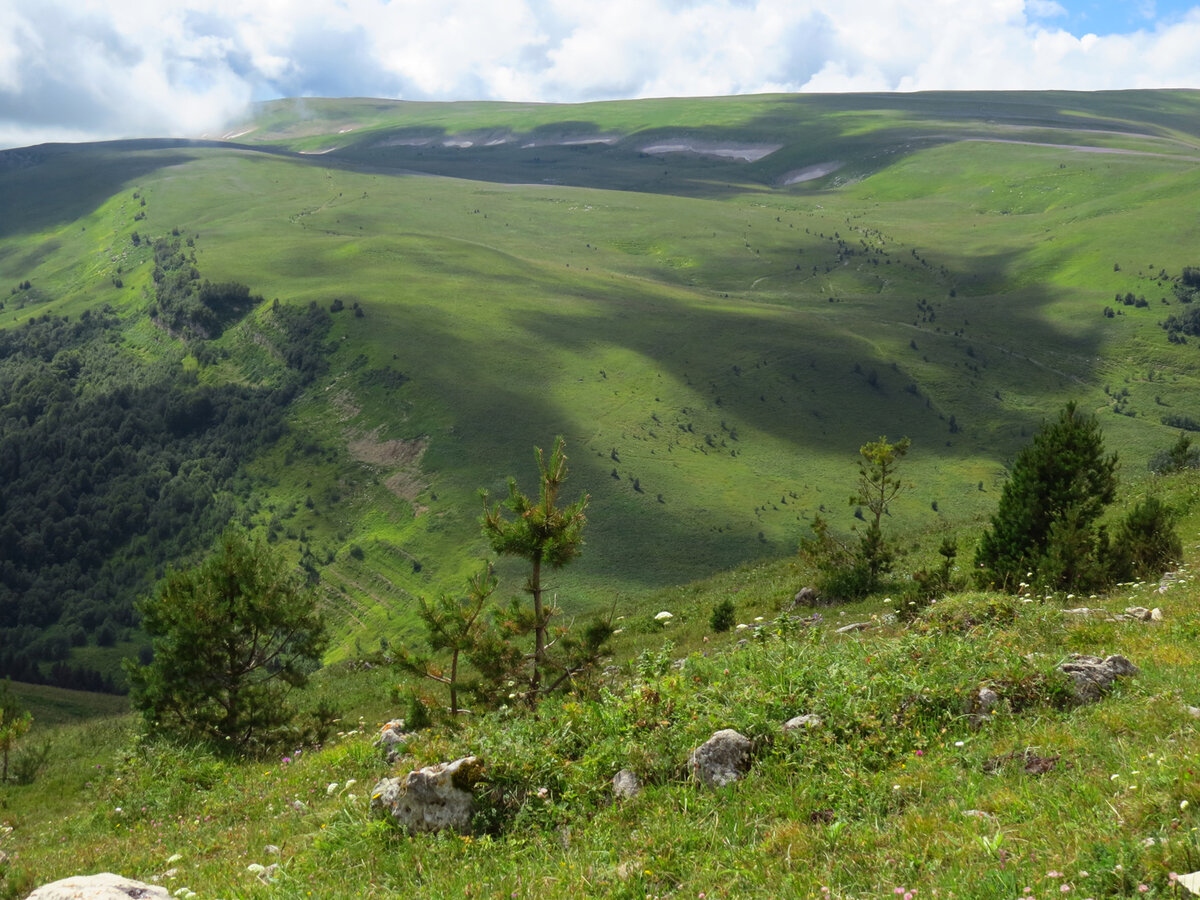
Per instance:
{"type": "Point", "coordinates": [713, 341]}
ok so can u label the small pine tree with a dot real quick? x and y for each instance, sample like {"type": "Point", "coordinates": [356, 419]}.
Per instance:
{"type": "Point", "coordinates": [540, 532]}
{"type": "Point", "coordinates": [1046, 520]}
{"type": "Point", "coordinates": [878, 486]}
{"type": "Point", "coordinates": [456, 626]}
{"type": "Point", "coordinates": [231, 637]}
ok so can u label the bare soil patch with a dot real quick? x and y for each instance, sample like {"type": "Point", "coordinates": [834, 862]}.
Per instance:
{"type": "Point", "coordinates": [402, 458]}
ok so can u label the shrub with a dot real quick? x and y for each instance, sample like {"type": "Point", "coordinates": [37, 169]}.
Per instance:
{"type": "Point", "coordinates": [1146, 543]}
{"type": "Point", "coordinates": [723, 617]}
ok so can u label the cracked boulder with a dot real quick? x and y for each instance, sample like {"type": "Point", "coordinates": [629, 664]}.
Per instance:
{"type": "Point", "coordinates": [1091, 676]}
{"type": "Point", "coordinates": [435, 798]}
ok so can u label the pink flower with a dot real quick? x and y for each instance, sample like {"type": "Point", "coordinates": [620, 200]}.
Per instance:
{"type": "Point", "coordinates": [1142, 888]}
{"type": "Point", "coordinates": [1064, 888]}
{"type": "Point", "coordinates": [920, 753]}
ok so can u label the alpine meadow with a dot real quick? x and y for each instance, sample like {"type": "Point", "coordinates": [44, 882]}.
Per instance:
{"type": "Point", "coordinates": [329, 338]}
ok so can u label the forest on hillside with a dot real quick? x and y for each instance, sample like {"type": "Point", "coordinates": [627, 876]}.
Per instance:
{"type": "Point", "coordinates": [111, 467]}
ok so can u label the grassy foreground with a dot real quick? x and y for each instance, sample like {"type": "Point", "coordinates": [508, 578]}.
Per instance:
{"type": "Point", "coordinates": [899, 791]}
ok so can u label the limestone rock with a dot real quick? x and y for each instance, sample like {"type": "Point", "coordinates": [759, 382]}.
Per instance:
{"type": "Point", "coordinates": [391, 739]}
{"type": "Point", "coordinates": [104, 886]}
{"type": "Point", "coordinates": [980, 704]}
{"type": "Point", "coordinates": [436, 798]}
{"type": "Point", "coordinates": [723, 759]}
{"type": "Point", "coordinates": [808, 720]}
{"type": "Point", "coordinates": [806, 596]}
{"type": "Point", "coordinates": [1138, 612]}
{"type": "Point", "coordinates": [1091, 676]}
{"type": "Point", "coordinates": [854, 626]}
{"type": "Point", "coordinates": [1084, 612]}
{"type": "Point", "coordinates": [626, 785]}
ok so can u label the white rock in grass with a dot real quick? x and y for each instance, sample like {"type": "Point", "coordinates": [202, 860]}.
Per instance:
{"type": "Point", "coordinates": [723, 759]}
{"type": "Point", "coordinates": [1191, 881]}
{"type": "Point", "coordinates": [104, 886]}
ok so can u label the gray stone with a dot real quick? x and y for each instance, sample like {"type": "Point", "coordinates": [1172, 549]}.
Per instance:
{"type": "Point", "coordinates": [723, 759]}
{"type": "Point", "coordinates": [808, 720]}
{"type": "Point", "coordinates": [1138, 612]}
{"type": "Point", "coordinates": [980, 704]}
{"type": "Point", "coordinates": [104, 886]}
{"type": "Point", "coordinates": [854, 626]}
{"type": "Point", "coordinates": [806, 596]}
{"type": "Point", "coordinates": [1193, 711]}
{"type": "Point", "coordinates": [391, 733]}
{"type": "Point", "coordinates": [1156, 615]}
{"type": "Point", "coordinates": [436, 798]}
{"type": "Point", "coordinates": [1092, 676]}
{"type": "Point", "coordinates": [626, 785]}
{"type": "Point", "coordinates": [1083, 612]}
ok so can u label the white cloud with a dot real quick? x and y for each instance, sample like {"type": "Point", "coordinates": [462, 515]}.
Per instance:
{"type": "Point", "coordinates": [131, 67]}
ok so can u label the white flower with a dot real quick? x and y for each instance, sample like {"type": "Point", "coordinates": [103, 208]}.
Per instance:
{"type": "Point", "coordinates": [1183, 804]}
{"type": "Point", "coordinates": [330, 788]}
{"type": "Point", "coordinates": [176, 857]}
{"type": "Point", "coordinates": [663, 616]}
{"type": "Point", "coordinates": [351, 782]}
{"type": "Point", "coordinates": [959, 743]}
{"type": "Point", "coordinates": [256, 868]}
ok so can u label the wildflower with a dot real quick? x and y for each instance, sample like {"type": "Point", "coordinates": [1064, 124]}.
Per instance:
{"type": "Point", "coordinates": [959, 743]}
{"type": "Point", "coordinates": [330, 788]}
{"type": "Point", "coordinates": [663, 616]}
{"type": "Point", "coordinates": [1183, 804]}
{"type": "Point", "coordinates": [1064, 888]}
{"type": "Point", "coordinates": [920, 753]}
{"type": "Point", "coordinates": [1142, 888]}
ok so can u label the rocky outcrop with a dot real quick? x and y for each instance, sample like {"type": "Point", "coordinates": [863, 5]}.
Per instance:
{"type": "Point", "coordinates": [435, 798]}
{"type": "Point", "coordinates": [723, 759]}
{"type": "Point", "coordinates": [105, 886]}
{"type": "Point", "coordinates": [1092, 676]}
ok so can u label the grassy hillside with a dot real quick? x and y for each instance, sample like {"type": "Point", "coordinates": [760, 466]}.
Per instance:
{"type": "Point", "coordinates": [714, 342]}
{"type": "Point", "coordinates": [903, 787]}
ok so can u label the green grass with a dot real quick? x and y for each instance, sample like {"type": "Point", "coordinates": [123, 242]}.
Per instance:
{"type": "Point", "coordinates": [675, 310]}
{"type": "Point", "coordinates": [898, 788]}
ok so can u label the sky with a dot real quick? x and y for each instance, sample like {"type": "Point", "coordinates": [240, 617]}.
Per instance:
{"type": "Point", "coordinates": [73, 70]}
